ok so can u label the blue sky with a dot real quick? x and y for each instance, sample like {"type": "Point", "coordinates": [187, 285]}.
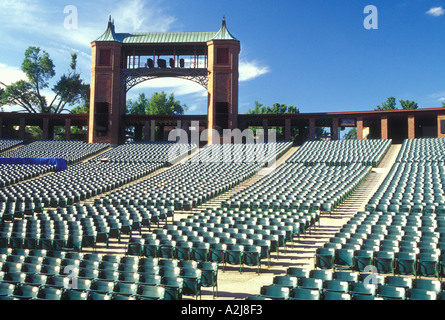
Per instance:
{"type": "Point", "coordinates": [316, 55]}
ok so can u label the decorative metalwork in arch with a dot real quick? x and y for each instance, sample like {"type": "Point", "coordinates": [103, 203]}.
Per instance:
{"type": "Point", "coordinates": [132, 77]}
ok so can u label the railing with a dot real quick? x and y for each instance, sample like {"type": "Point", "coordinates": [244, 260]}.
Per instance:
{"type": "Point", "coordinates": [166, 63]}
{"type": "Point", "coordinates": [131, 77]}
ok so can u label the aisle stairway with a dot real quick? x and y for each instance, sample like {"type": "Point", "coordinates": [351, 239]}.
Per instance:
{"type": "Point", "coordinates": [217, 202]}
{"type": "Point", "coordinates": [332, 223]}
{"type": "Point", "coordinates": [301, 254]}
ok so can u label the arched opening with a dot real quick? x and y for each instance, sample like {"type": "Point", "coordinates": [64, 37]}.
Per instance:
{"type": "Point", "coordinates": [166, 94]}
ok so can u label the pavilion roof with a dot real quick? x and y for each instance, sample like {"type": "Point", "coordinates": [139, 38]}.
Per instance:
{"type": "Point", "coordinates": [164, 37]}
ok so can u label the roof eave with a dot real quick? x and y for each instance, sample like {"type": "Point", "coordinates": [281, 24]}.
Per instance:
{"type": "Point", "coordinates": [109, 35]}
{"type": "Point", "coordinates": [224, 33]}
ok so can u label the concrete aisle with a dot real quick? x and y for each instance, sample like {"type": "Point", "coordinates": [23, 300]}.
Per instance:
{"type": "Point", "coordinates": [236, 285]}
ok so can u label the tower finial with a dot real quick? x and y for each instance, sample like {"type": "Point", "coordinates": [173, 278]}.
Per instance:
{"type": "Point", "coordinates": [224, 20]}
{"type": "Point", "coordinates": [111, 23]}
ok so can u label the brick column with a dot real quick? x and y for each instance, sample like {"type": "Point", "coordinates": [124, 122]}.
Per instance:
{"type": "Point", "coordinates": [152, 130]}
{"type": "Point", "coordinates": [384, 127]}
{"type": "Point", "coordinates": [311, 129]}
{"type": "Point", "coordinates": [22, 128]}
{"type": "Point", "coordinates": [138, 132]}
{"type": "Point", "coordinates": [287, 130]}
{"type": "Point", "coordinates": [45, 129]}
{"type": "Point", "coordinates": [411, 127]}
{"type": "Point", "coordinates": [146, 130]}
{"type": "Point", "coordinates": [441, 126]}
{"type": "Point", "coordinates": [359, 128]}
{"type": "Point", "coordinates": [266, 129]}
{"type": "Point", "coordinates": [334, 129]}
{"type": "Point", "coordinates": [67, 129]}
{"type": "Point", "coordinates": [185, 126]}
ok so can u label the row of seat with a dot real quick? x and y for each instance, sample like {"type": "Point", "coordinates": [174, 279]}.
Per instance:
{"type": "Point", "coordinates": [10, 291]}
{"type": "Point", "coordinates": [77, 183]}
{"type": "Point", "coordinates": [422, 264]}
{"type": "Point", "coordinates": [6, 144]}
{"type": "Point", "coordinates": [406, 215]}
{"type": "Point", "coordinates": [84, 180]}
{"type": "Point", "coordinates": [106, 223]}
{"type": "Point", "coordinates": [425, 149]}
{"type": "Point", "coordinates": [105, 274]}
{"type": "Point", "coordinates": [303, 284]}
{"type": "Point", "coordinates": [186, 186]}
{"type": "Point", "coordinates": [200, 182]}
{"type": "Point", "coordinates": [79, 226]}
{"type": "Point", "coordinates": [409, 242]}
{"type": "Point", "coordinates": [71, 151]}
{"type": "Point", "coordinates": [11, 174]}
{"type": "Point", "coordinates": [292, 185]}
{"type": "Point", "coordinates": [342, 152]}
{"type": "Point", "coordinates": [224, 236]}
{"type": "Point", "coordinates": [142, 152]}
{"type": "Point", "coordinates": [263, 153]}
{"type": "Point", "coordinates": [411, 186]}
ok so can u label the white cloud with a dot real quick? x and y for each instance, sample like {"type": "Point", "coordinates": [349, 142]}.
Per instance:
{"type": "Point", "coordinates": [249, 70]}
{"type": "Point", "coordinates": [136, 16]}
{"type": "Point", "coordinates": [20, 14]}
{"type": "Point", "coordinates": [436, 11]}
{"type": "Point", "coordinates": [176, 85]}
{"type": "Point", "coordinates": [10, 74]}
{"type": "Point", "coordinates": [46, 21]}
{"type": "Point", "coordinates": [439, 96]}
{"type": "Point", "coordinates": [192, 108]}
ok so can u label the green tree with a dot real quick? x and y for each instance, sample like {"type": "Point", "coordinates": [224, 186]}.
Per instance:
{"type": "Point", "coordinates": [39, 70]}
{"type": "Point", "coordinates": [81, 109]}
{"type": "Point", "coordinates": [390, 104]}
{"type": "Point", "coordinates": [351, 134]}
{"type": "Point", "coordinates": [408, 104]}
{"type": "Point", "coordinates": [257, 109]}
{"type": "Point", "coordinates": [158, 104]}
{"type": "Point", "coordinates": [277, 108]}
{"type": "Point", "coordinates": [320, 132]}
{"type": "Point", "coordinates": [443, 104]}
{"type": "Point", "coordinates": [140, 106]}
